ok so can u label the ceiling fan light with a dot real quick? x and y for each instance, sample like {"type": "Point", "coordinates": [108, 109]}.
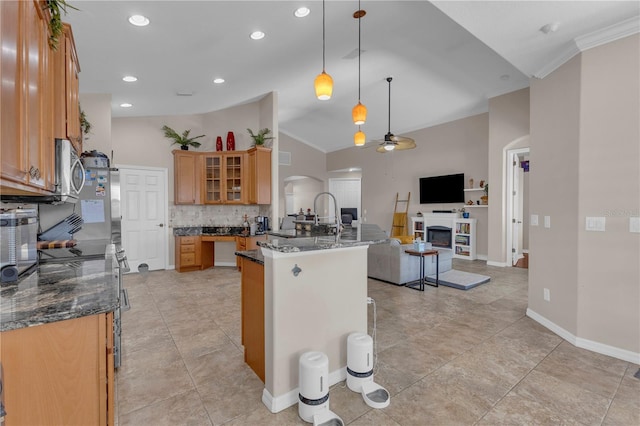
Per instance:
{"type": "Point", "coordinates": [389, 147]}
{"type": "Point", "coordinates": [359, 138]}
{"type": "Point", "coordinates": [324, 86]}
{"type": "Point", "coordinates": [359, 114]}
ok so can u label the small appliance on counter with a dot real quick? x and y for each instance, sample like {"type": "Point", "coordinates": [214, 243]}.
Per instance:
{"type": "Point", "coordinates": [19, 234]}
{"type": "Point", "coordinates": [262, 225]}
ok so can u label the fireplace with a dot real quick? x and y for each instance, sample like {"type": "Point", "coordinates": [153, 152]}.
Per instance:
{"type": "Point", "coordinates": [439, 236]}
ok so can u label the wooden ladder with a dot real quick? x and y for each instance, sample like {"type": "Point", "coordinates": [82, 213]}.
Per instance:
{"type": "Point", "coordinates": [400, 224]}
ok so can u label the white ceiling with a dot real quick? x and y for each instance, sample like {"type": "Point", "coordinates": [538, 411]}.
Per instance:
{"type": "Point", "coordinates": [447, 58]}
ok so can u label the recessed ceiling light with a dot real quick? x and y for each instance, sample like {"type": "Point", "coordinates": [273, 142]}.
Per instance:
{"type": "Point", "coordinates": [139, 20]}
{"type": "Point", "coordinates": [301, 12]}
{"type": "Point", "coordinates": [126, 105]}
{"type": "Point", "coordinates": [130, 78]}
{"type": "Point", "coordinates": [257, 35]}
{"type": "Point", "coordinates": [218, 80]}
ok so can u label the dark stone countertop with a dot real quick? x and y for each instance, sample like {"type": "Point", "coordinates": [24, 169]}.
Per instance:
{"type": "Point", "coordinates": [231, 231]}
{"type": "Point", "coordinates": [291, 241]}
{"type": "Point", "coordinates": [60, 291]}
{"type": "Point", "coordinates": [253, 255]}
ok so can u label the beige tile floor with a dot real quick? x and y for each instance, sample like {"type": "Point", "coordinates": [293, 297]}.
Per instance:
{"type": "Point", "coordinates": [448, 357]}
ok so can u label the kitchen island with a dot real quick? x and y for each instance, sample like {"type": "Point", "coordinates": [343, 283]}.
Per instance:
{"type": "Point", "coordinates": [56, 343]}
{"type": "Point", "coordinates": [315, 295]}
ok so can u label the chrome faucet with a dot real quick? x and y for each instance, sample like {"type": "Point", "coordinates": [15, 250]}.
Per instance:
{"type": "Point", "coordinates": [338, 224]}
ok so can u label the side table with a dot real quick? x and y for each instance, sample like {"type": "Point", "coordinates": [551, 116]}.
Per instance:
{"type": "Point", "coordinates": [419, 284]}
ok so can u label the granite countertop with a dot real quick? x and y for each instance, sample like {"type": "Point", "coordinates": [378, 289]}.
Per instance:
{"type": "Point", "coordinates": [292, 241]}
{"type": "Point", "coordinates": [60, 291]}
{"type": "Point", "coordinates": [253, 255]}
{"type": "Point", "coordinates": [188, 231]}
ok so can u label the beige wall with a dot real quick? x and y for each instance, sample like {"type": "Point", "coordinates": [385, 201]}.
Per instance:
{"type": "Point", "coordinates": [508, 127]}
{"type": "Point", "coordinates": [97, 110]}
{"type": "Point", "coordinates": [584, 161]}
{"type": "Point", "coordinates": [456, 147]}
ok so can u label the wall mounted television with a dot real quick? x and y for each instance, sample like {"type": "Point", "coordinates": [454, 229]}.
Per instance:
{"type": "Point", "coordinates": [442, 189]}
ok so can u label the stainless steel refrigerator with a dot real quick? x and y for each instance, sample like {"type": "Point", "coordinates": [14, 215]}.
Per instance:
{"type": "Point", "coordinates": [99, 205]}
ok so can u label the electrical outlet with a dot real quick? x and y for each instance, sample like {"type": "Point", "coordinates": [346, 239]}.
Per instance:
{"type": "Point", "coordinates": [547, 295]}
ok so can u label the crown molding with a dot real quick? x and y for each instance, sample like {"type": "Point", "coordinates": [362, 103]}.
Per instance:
{"type": "Point", "coordinates": [597, 38]}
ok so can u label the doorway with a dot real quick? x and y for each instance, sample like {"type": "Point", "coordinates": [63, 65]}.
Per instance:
{"type": "Point", "coordinates": [144, 216]}
{"type": "Point", "coordinates": [518, 207]}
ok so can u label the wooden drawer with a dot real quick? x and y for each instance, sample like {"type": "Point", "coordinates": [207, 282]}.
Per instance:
{"type": "Point", "coordinates": [187, 259]}
{"type": "Point", "coordinates": [187, 248]}
{"type": "Point", "coordinates": [187, 240]}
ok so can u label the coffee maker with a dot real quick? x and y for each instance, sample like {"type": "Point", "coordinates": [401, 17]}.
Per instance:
{"type": "Point", "coordinates": [262, 224]}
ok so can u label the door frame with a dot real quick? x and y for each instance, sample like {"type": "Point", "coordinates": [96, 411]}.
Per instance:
{"type": "Point", "coordinates": [512, 155]}
{"type": "Point", "coordinates": [165, 177]}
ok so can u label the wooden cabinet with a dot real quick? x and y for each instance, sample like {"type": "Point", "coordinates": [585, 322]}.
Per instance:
{"type": "Point", "coordinates": [259, 175]}
{"type": "Point", "coordinates": [252, 304]}
{"type": "Point", "coordinates": [59, 373]}
{"type": "Point", "coordinates": [187, 176]}
{"type": "Point", "coordinates": [66, 89]}
{"type": "Point", "coordinates": [247, 243]}
{"type": "Point", "coordinates": [188, 253]}
{"type": "Point", "coordinates": [224, 178]}
{"type": "Point", "coordinates": [26, 111]}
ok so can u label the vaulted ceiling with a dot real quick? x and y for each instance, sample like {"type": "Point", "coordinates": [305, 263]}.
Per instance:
{"type": "Point", "coordinates": [447, 58]}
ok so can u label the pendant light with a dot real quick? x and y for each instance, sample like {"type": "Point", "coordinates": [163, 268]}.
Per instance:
{"type": "Point", "coordinates": [359, 137]}
{"type": "Point", "coordinates": [359, 112]}
{"type": "Point", "coordinates": [323, 83]}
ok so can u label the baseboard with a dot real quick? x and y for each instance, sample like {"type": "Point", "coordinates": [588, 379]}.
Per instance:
{"type": "Point", "coordinates": [290, 398]}
{"type": "Point", "coordinates": [499, 264]}
{"type": "Point", "coordinates": [481, 257]}
{"type": "Point", "coordinates": [170, 267]}
{"type": "Point", "coordinates": [590, 345]}
{"type": "Point", "coordinates": [225, 264]}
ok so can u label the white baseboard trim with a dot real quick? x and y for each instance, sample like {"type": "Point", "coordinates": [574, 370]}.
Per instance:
{"type": "Point", "coordinates": [590, 345]}
{"type": "Point", "coordinates": [290, 398]}
{"type": "Point", "coordinates": [481, 257]}
{"type": "Point", "coordinates": [499, 264]}
{"type": "Point", "coordinates": [225, 264]}
{"type": "Point", "coordinates": [170, 267]}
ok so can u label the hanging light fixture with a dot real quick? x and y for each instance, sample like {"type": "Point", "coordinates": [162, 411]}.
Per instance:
{"type": "Point", "coordinates": [359, 112]}
{"type": "Point", "coordinates": [359, 137]}
{"type": "Point", "coordinates": [323, 83]}
{"type": "Point", "coordinates": [391, 141]}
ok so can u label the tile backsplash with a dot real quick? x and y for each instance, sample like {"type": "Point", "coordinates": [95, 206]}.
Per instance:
{"type": "Point", "coordinates": [207, 215]}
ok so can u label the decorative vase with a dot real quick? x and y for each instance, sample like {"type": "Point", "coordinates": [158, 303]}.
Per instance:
{"type": "Point", "coordinates": [231, 142]}
{"type": "Point", "coordinates": [184, 147]}
{"type": "Point", "coordinates": [485, 199]}
{"type": "Point", "coordinates": [470, 183]}
{"type": "Point", "coordinates": [219, 143]}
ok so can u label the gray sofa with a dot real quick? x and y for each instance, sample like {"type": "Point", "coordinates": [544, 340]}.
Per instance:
{"type": "Point", "coordinates": [389, 262]}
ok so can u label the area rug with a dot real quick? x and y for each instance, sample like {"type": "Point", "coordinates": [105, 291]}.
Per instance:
{"type": "Point", "coordinates": [459, 279]}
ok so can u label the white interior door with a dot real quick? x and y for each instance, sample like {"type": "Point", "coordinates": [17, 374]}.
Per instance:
{"type": "Point", "coordinates": [144, 213]}
{"type": "Point", "coordinates": [516, 213]}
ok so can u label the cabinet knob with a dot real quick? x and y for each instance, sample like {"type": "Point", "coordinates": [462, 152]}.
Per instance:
{"type": "Point", "coordinates": [161, 225]}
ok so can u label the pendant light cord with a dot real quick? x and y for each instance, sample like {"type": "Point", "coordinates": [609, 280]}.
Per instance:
{"type": "Point", "coordinates": [359, 49]}
{"type": "Point", "coordinates": [323, 36]}
{"type": "Point", "coordinates": [389, 121]}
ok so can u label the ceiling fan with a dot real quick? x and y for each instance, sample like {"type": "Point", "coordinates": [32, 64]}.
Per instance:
{"type": "Point", "coordinates": [392, 142]}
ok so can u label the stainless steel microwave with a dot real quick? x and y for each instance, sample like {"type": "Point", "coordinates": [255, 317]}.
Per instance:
{"type": "Point", "coordinates": [69, 178]}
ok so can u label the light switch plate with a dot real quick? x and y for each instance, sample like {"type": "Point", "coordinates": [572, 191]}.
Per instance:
{"type": "Point", "coordinates": [534, 220]}
{"type": "Point", "coordinates": [595, 224]}
{"type": "Point", "coordinates": [634, 224]}
{"type": "Point", "coordinates": [547, 221]}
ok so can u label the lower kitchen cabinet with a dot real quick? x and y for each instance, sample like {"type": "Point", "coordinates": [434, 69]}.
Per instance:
{"type": "Point", "coordinates": [253, 315]}
{"type": "Point", "coordinates": [59, 373]}
{"type": "Point", "coordinates": [247, 243]}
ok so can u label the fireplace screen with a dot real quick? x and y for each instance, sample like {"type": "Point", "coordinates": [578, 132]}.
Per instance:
{"type": "Point", "coordinates": [439, 236]}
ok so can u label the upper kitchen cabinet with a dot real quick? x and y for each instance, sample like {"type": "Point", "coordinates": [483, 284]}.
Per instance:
{"type": "Point", "coordinates": [224, 177]}
{"type": "Point", "coordinates": [27, 143]}
{"type": "Point", "coordinates": [66, 89]}
{"type": "Point", "coordinates": [187, 177]}
{"type": "Point", "coordinates": [259, 175]}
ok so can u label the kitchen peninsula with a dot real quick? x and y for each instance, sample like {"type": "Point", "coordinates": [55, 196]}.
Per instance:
{"type": "Point", "coordinates": [314, 294]}
{"type": "Point", "coordinates": [56, 330]}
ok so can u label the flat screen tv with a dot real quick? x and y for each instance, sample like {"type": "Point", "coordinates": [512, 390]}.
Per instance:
{"type": "Point", "coordinates": [442, 189]}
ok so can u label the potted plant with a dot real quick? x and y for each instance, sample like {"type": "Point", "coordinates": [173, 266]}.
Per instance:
{"type": "Point", "coordinates": [485, 197]}
{"type": "Point", "coordinates": [181, 139]}
{"type": "Point", "coordinates": [260, 138]}
{"type": "Point", "coordinates": [56, 9]}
